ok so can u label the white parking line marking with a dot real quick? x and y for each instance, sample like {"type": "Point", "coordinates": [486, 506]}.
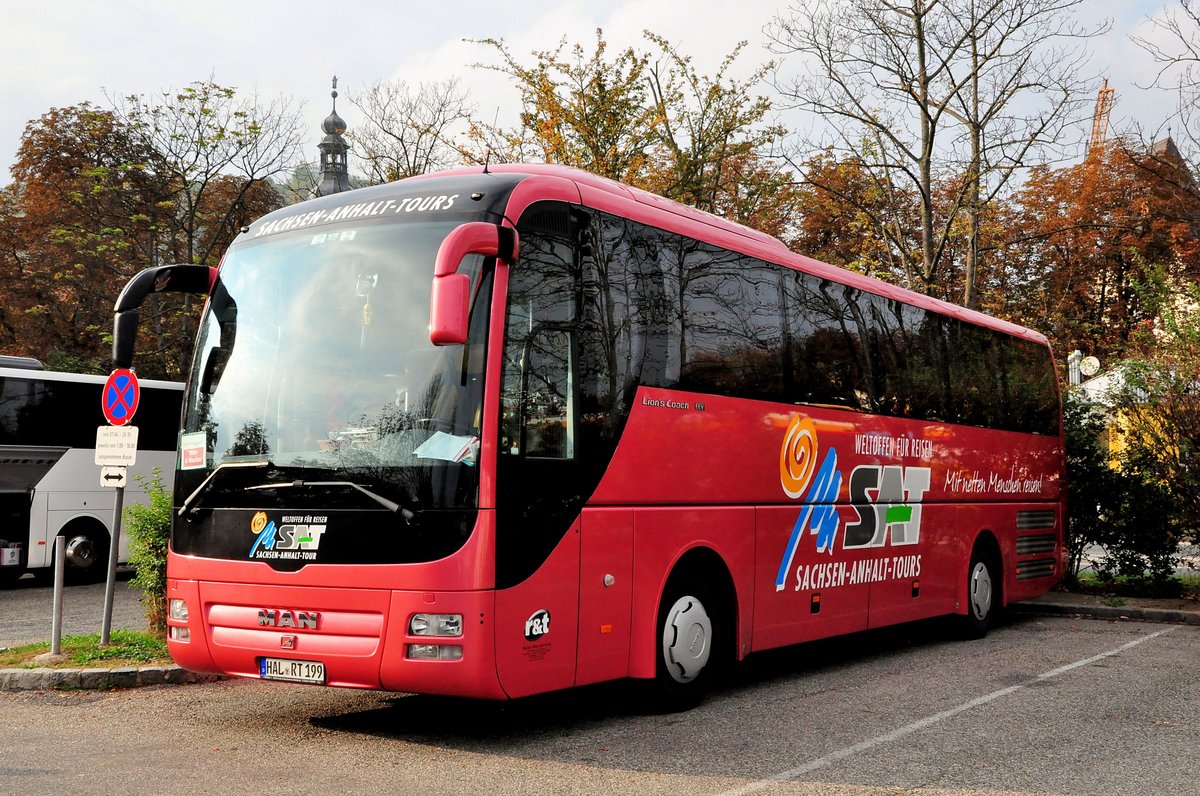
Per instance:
{"type": "Point", "coordinates": [920, 724]}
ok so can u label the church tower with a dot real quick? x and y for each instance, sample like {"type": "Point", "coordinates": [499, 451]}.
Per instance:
{"type": "Point", "coordinates": [335, 172]}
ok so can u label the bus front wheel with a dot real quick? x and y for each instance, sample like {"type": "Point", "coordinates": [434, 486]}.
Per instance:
{"type": "Point", "coordinates": [690, 638]}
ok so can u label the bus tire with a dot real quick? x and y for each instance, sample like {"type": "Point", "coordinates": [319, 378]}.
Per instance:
{"type": "Point", "coordinates": [983, 593]}
{"type": "Point", "coordinates": [87, 552]}
{"type": "Point", "coordinates": [690, 642]}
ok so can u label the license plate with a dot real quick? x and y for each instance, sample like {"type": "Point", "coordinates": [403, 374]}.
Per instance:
{"type": "Point", "coordinates": [292, 671]}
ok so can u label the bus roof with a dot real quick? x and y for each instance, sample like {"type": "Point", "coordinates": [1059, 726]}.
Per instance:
{"type": "Point", "coordinates": [24, 363]}
{"type": "Point", "coordinates": [609, 195]}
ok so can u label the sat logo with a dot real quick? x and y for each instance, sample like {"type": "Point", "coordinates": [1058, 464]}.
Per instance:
{"type": "Point", "coordinates": [537, 625]}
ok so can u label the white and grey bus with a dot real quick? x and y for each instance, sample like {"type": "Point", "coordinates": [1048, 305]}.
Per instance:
{"type": "Point", "coordinates": [49, 481]}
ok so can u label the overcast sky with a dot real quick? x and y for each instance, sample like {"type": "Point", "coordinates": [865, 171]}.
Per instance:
{"type": "Point", "coordinates": [63, 52]}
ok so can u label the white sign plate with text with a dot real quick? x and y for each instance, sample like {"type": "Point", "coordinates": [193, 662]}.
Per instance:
{"type": "Point", "coordinates": [116, 445]}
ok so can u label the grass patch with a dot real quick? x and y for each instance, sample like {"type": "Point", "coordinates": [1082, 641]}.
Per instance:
{"type": "Point", "coordinates": [127, 648]}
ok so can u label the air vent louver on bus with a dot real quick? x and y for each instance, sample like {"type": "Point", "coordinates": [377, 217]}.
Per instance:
{"type": "Point", "coordinates": [554, 220]}
{"type": "Point", "coordinates": [1035, 520]}
{"type": "Point", "coordinates": [1042, 568]}
{"type": "Point", "coordinates": [1042, 543]}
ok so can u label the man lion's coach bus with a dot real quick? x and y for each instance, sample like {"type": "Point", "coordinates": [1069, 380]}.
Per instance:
{"type": "Point", "coordinates": [49, 481]}
{"type": "Point", "coordinates": [495, 432]}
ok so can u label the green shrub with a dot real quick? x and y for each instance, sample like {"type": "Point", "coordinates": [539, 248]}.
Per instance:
{"type": "Point", "coordinates": [1125, 509]}
{"type": "Point", "coordinates": [149, 527]}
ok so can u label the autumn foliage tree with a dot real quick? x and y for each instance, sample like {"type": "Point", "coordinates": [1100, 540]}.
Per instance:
{"type": "Point", "coordinates": [649, 118]}
{"type": "Point", "coordinates": [1084, 239]}
{"type": "Point", "coordinates": [75, 220]}
{"type": "Point", "coordinates": [101, 193]}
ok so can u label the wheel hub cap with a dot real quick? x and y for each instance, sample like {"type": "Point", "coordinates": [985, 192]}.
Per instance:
{"type": "Point", "coordinates": [981, 591]}
{"type": "Point", "coordinates": [687, 637]}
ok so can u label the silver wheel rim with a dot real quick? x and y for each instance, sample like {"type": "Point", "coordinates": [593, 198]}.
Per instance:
{"type": "Point", "coordinates": [81, 551]}
{"type": "Point", "coordinates": [687, 639]}
{"type": "Point", "coordinates": [981, 590]}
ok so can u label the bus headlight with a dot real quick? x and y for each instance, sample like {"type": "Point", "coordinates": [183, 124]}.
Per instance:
{"type": "Point", "coordinates": [179, 633]}
{"type": "Point", "coordinates": [178, 610]}
{"type": "Point", "coordinates": [435, 625]}
{"type": "Point", "coordinates": [434, 652]}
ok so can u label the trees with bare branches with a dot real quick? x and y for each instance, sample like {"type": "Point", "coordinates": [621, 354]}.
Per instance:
{"type": "Point", "coordinates": [941, 101]}
{"type": "Point", "coordinates": [409, 130]}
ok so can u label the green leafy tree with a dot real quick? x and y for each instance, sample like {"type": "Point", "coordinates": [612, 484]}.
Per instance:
{"type": "Point", "coordinates": [1159, 405]}
{"type": "Point", "coordinates": [1114, 504]}
{"type": "Point", "coordinates": [651, 119]}
{"type": "Point", "coordinates": [587, 110]}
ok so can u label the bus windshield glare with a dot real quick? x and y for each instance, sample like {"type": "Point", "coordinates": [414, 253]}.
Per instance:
{"type": "Point", "coordinates": [314, 359]}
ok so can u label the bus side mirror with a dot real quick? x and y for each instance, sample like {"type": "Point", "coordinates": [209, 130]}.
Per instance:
{"type": "Point", "coordinates": [450, 300]}
{"type": "Point", "coordinates": [161, 279]}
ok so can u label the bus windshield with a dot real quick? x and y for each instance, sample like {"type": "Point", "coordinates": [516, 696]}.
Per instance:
{"type": "Point", "coordinates": [314, 361]}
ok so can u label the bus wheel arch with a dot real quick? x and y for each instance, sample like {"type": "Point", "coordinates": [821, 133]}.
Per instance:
{"type": "Point", "coordinates": [984, 595]}
{"type": "Point", "coordinates": [696, 629]}
{"type": "Point", "coordinates": [87, 545]}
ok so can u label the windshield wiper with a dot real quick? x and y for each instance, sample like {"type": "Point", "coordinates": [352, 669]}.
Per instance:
{"type": "Point", "coordinates": [390, 505]}
{"type": "Point", "coordinates": [187, 504]}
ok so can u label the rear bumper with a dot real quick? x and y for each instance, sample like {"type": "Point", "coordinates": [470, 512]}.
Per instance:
{"type": "Point", "coordinates": [360, 635]}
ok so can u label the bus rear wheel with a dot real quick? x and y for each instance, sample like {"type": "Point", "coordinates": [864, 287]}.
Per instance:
{"type": "Point", "coordinates": [983, 594]}
{"type": "Point", "coordinates": [691, 637]}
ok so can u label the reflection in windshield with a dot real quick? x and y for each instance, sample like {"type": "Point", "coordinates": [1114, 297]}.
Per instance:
{"type": "Point", "coordinates": [315, 353]}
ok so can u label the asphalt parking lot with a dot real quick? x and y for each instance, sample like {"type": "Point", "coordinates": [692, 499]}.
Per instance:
{"type": "Point", "coordinates": [27, 609]}
{"type": "Point", "coordinates": [1043, 705]}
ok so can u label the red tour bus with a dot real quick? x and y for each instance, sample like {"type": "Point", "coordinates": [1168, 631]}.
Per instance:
{"type": "Point", "coordinates": [496, 432]}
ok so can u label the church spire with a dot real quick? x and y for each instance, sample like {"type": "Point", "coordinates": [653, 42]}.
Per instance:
{"type": "Point", "coordinates": [335, 173]}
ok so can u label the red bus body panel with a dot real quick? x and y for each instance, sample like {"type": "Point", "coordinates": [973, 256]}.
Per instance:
{"type": "Point", "coordinates": [691, 471]}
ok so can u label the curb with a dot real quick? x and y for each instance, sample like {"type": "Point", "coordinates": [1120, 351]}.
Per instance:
{"type": "Point", "coordinates": [1125, 613]}
{"type": "Point", "coordinates": [44, 679]}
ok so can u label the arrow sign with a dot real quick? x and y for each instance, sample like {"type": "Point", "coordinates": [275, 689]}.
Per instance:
{"type": "Point", "coordinates": [113, 476]}
{"type": "Point", "coordinates": [120, 397]}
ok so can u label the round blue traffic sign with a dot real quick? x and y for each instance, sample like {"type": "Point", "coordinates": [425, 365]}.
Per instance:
{"type": "Point", "coordinates": [120, 398]}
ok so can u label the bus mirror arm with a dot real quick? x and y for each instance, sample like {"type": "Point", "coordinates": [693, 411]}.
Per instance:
{"type": "Point", "coordinates": [179, 278]}
{"type": "Point", "coordinates": [450, 301]}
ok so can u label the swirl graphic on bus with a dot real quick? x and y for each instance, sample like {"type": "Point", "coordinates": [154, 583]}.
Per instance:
{"type": "Point", "coordinates": [797, 462]}
{"type": "Point", "coordinates": [798, 457]}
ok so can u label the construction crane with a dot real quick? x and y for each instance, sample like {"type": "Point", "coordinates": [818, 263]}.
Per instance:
{"type": "Point", "coordinates": [1104, 103]}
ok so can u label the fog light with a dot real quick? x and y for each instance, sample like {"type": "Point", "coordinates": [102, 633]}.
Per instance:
{"type": "Point", "coordinates": [435, 625]}
{"type": "Point", "coordinates": [434, 652]}
{"type": "Point", "coordinates": [178, 610]}
{"type": "Point", "coordinates": [179, 633]}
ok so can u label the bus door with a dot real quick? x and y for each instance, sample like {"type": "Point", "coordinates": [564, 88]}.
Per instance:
{"type": "Point", "coordinates": [537, 509]}
{"type": "Point", "coordinates": [605, 594]}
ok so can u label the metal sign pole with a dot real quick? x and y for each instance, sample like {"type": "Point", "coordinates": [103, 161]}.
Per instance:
{"type": "Point", "coordinates": [116, 447]}
{"type": "Point", "coordinates": [110, 585]}
{"type": "Point", "coordinates": [60, 564]}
